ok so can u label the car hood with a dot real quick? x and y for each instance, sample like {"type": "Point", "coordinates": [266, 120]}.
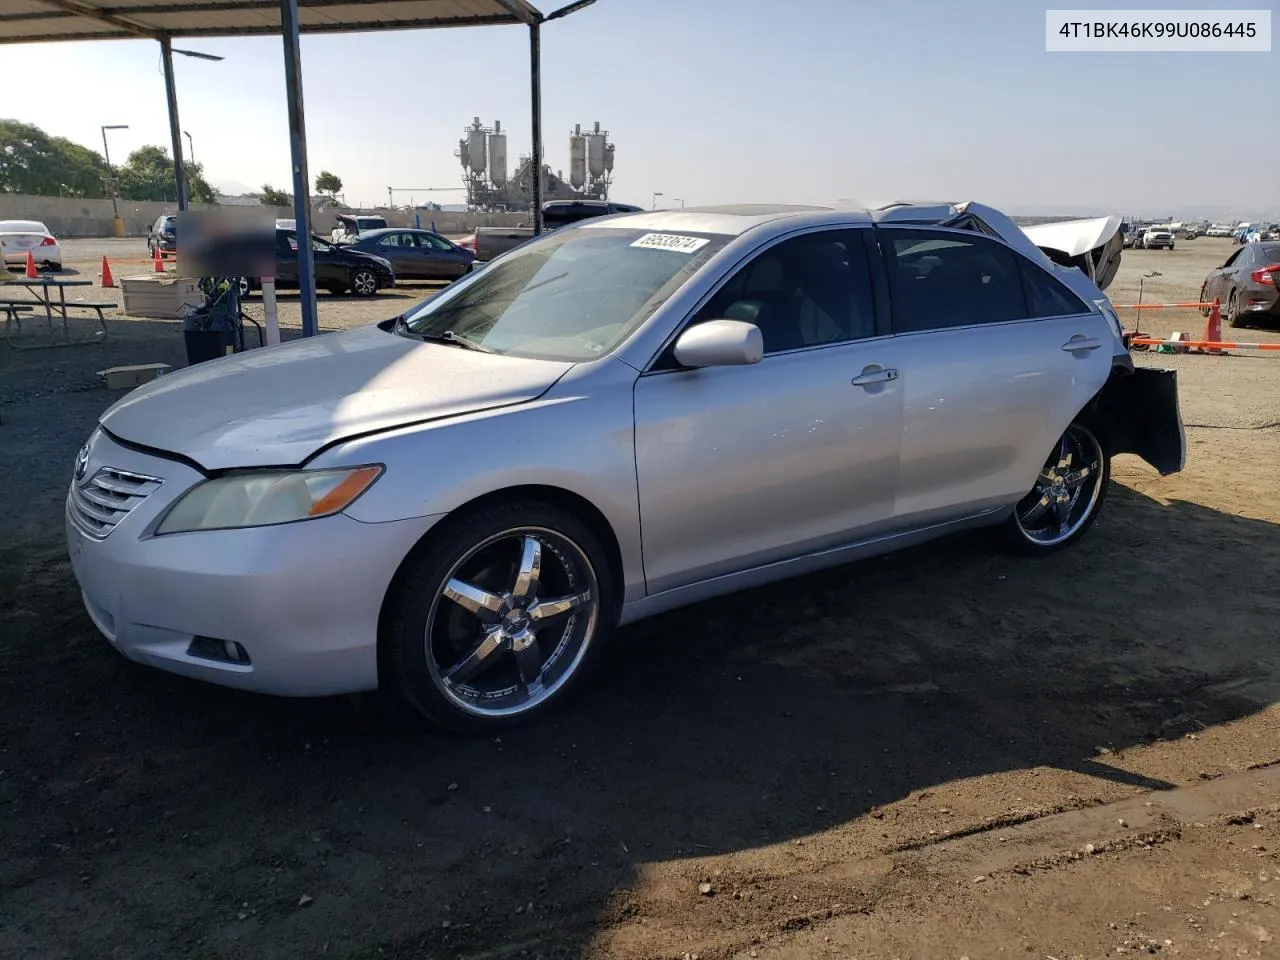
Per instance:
{"type": "Point", "coordinates": [356, 255]}
{"type": "Point", "coordinates": [279, 406]}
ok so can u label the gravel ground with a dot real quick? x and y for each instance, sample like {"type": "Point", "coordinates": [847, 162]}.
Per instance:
{"type": "Point", "coordinates": [944, 753]}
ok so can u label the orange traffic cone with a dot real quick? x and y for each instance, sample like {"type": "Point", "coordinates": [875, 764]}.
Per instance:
{"type": "Point", "coordinates": [1213, 328]}
{"type": "Point", "coordinates": [107, 279]}
{"type": "Point", "coordinates": [31, 266]}
{"type": "Point", "coordinates": [159, 262]}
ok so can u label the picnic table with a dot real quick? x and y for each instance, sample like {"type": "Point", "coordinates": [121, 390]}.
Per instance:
{"type": "Point", "coordinates": [41, 296]}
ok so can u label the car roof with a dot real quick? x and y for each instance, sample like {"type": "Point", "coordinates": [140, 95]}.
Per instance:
{"type": "Point", "coordinates": [382, 231]}
{"type": "Point", "coordinates": [23, 226]}
{"type": "Point", "coordinates": [731, 220]}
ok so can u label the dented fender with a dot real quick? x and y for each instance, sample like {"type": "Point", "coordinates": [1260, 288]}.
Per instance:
{"type": "Point", "coordinates": [1137, 412]}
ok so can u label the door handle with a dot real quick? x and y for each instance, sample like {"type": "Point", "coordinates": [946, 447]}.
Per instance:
{"type": "Point", "coordinates": [1081, 343]}
{"type": "Point", "coordinates": [873, 375]}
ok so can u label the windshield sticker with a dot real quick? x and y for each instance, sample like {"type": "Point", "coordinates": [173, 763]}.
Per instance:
{"type": "Point", "coordinates": [671, 241]}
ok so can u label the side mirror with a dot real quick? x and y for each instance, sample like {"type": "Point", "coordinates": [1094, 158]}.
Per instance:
{"type": "Point", "coordinates": [720, 343]}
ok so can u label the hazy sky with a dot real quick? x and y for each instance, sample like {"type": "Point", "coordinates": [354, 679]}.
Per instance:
{"type": "Point", "coordinates": [716, 101]}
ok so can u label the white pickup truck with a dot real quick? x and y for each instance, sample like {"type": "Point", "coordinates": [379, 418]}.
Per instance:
{"type": "Point", "coordinates": [1155, 238]}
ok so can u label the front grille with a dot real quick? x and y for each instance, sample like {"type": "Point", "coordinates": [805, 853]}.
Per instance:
{"type": "Point", "coordinates": [106, 499]}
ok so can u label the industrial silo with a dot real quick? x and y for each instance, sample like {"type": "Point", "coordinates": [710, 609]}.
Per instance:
{"type": "Point", "coordinates": [498, 155]}
{"type": "Point", "coordinates": [595, 152]}
{"type": "Point", "coordinates": [476, 147]}
{"type": "Point", "coordinates": [577, 158]}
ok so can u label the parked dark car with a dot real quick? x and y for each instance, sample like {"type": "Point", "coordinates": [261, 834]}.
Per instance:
{"type": "Point", "coordinates": [338, 268]}
{"type": "Point", "coordinates": [416, 254]}
{"type": "Point", "coordinates": [1246, 285]}
{"type": "Point", "coordinates": [163, 235]}
{"type": "Point", "coordinates": [491, 242]}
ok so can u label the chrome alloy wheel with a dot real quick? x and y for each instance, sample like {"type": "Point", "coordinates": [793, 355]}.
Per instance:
{"type": "Point", "coordinates": [512, 622]}
{"type": "Point", "coordinates": [364, 283]}
{"type": "Point", "coordinates": [1066, 492]}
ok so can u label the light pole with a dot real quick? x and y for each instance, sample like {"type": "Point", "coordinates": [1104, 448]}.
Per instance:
{"type": "Point", "coordinates": [117, 225]}
{"type": "Point", "coordinates": [175, 128]}
{"type": "Point", "coordinates": [656, 195]}
{"type": "Point", "coordinates": [191, 156]}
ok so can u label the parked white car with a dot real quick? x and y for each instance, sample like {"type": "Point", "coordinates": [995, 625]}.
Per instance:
{"type": "Point", "coordinates": [20, 237]}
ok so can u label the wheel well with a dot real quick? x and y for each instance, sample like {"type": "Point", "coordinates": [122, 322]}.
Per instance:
{"type": "Point", "coordinates": [580, 506]}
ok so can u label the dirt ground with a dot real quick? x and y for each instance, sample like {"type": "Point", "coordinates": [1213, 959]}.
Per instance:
{"type": "Point", "coordinates": [946, 753]}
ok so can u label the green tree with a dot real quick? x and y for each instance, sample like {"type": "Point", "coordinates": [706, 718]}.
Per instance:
{"type": "Point", "coordinates": [35, 163]}
{"type": "Point", "coordinates": [271, 197]}
{"type": "Point", "coordinates": [329, 183]}
{"type": "Point", "coordinates": [148, 175]}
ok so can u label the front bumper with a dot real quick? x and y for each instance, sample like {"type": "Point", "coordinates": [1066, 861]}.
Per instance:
{"type": "Point", "coordinates": [302, 599]}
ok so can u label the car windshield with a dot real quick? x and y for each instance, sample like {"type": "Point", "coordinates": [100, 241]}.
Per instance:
{"type": "Point", "coordinates": [572, 295]}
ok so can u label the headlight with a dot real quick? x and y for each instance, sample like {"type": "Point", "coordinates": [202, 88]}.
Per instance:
{"type": "Point", "coordinates": [266, 497]}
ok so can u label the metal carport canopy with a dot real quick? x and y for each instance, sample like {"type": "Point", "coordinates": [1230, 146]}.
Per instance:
{"type": "Point", "coordinates": [33, 21]}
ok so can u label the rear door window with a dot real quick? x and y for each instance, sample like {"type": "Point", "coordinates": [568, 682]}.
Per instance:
{"type": "Point", "coordinates": [1046, 295]}
{"type": "Point", "coordinates": [941, 279]}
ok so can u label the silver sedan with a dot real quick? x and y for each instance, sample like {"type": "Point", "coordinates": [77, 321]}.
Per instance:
{"type": "Point", "coordinates": [619, 418]}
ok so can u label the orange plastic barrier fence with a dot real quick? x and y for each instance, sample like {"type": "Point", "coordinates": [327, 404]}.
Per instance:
{"type": "Point", "coordinates": [1159, 306]}
{"type": "Point", "coordinates": [1206, 344]}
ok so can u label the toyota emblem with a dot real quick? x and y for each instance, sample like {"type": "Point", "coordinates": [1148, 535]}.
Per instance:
{"type": "Point", "coordinates": [82, 462]}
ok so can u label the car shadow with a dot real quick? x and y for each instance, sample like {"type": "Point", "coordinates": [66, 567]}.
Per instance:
{"type": "Point", "coordinates": [756, 719]}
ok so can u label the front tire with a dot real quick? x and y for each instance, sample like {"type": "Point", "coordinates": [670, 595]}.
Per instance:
{"type": "Point", "coordinates": [499, 616]}
{"type": "Point", "coordinates": [364, 283]}
{"type": "Point", "coordinates": [1066, 498]}
{"type": "Point", "coordinates": [1233, 311]}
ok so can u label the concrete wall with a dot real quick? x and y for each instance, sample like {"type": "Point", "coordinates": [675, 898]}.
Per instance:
{"type": "Point", "coordinates": [70, 217]}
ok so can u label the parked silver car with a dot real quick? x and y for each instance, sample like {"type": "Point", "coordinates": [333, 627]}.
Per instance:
{"type": "Point", "coordinates": [624, 416]}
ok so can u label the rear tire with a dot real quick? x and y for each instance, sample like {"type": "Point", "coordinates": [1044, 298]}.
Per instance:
{"type": "Point", "coordinates": [1066, 498]}
{"type": "Point", "coordinates": [364, 283]}
{"type": "Point", "coordinates": [464, 641]}
{"type": "Point", "coordinates": [1233, 312]}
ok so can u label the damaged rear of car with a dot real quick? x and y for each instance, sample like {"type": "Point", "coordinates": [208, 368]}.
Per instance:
{"type": "Point", "coordinates": [1137, 409]}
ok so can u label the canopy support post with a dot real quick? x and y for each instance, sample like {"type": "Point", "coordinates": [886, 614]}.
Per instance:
{"type": "Point", "coordinates": [298, 155]}
{"type": "Point", "coordinates": [535, 97]}
{"type": "Point", "coordinates": [175, 128]}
